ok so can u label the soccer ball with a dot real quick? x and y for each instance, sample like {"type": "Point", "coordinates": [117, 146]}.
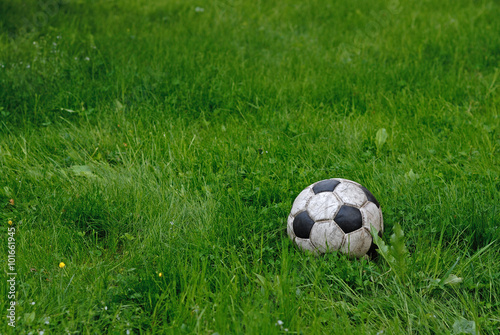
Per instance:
{"type": "Point", "coordinates": [335, 215]}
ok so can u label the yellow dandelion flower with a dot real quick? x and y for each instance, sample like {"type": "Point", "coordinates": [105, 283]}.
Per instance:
{"type": "Point", "coordinates": [10, 222]}
{"type": "Point", "coordinates": [160, 274]}
{"type": "Point", "coordinates": [62, 265]}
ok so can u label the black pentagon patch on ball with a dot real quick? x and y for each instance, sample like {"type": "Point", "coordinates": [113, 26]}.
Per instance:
{"type": "Point", "coordinates": [302, 225]}
{"type": "Point", "coordinates": [370, 196]}
{"type": "Point", "coordinates": [349, 219]}
{"type": "Point", "coordinates": [325, 186]}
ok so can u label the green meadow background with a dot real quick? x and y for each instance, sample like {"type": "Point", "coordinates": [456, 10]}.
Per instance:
{"type": "Point", "coordinates": [156, 147]}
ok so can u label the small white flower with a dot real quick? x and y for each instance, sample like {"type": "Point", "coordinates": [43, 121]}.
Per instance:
{"type": "Point", "coordinates": [87, 59]}
{"type": "Point", "coordinates": [58, 37]}
{"type": "Point", "coordinates": [41, 332]}
{"type": "Point", "coordinates": [279, 323]}
{"type": "Point", "coordinates": [199, 9]}
{"type": "Point", "coordinates": [105, 308]}
{"type": "Point", "coordinates": [128, 331]}
{"type": "Point", "coordinates": [47, 320]}
{"type": "Point", "coordinates": [172, 223]}
{"type": "Point", "coordinates": [54, 43]}
{"type": "Point", "coordinates": [76, 58]}
{"type": "Point", "coordinates": [32, 303]}
{"type": "Point", "coordinates": [28, 66]}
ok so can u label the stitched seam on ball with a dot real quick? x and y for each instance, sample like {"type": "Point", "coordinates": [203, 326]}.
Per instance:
{"type": "Point", "coordinates": [309, 200]}
{"type": "Point", "coordinates": [354, 231]}
{"type": "Point", "coordinates": [324, 220]}
{"type": "Point", "coordinates": [341, 202]}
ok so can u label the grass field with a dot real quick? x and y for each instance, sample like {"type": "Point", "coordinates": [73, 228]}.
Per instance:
{"type": "Point", "coordinates": [156, 147]}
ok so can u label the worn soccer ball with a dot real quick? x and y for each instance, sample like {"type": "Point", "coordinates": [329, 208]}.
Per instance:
{"type": "Point", "coordinates": [335, 215]}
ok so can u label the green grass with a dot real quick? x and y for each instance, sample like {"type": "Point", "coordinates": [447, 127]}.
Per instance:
{"type": "Point", "coordinates": [140, 138]}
